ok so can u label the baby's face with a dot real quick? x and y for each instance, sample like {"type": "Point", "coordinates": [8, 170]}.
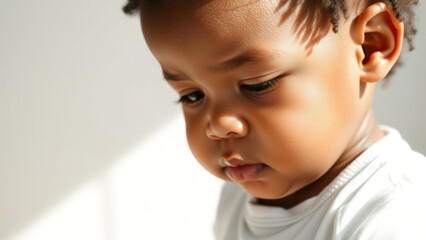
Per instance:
{"type": "Point", "coordinates": [281, 117]}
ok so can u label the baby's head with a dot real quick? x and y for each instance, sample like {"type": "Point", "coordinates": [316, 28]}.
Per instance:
{"type": "Point", "coordinates": [276, 94]}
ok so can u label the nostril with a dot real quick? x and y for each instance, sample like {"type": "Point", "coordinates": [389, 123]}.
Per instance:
{"type": "Point", "coordinates": [232, 134]}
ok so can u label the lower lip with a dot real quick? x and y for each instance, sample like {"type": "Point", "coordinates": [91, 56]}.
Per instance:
{"type": "Point", "coordinates": [244, 172]}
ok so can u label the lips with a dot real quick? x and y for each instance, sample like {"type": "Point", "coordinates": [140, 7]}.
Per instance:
{"type": "Point", "coordinates": [239, 170]}
{"type": "Point", "coordinates": [245, 172]}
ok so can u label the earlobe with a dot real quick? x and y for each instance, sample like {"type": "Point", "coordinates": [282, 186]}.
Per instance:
{"type": "Point", "coordinates": [379, 35]}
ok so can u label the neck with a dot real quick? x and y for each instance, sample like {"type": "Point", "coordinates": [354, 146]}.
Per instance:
{"type": "Point", "coordinates": [366, 135]}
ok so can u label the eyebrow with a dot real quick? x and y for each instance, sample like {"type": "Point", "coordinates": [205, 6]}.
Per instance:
{"type": "Point", "coordinates": [172, 77]}
{"type": "Point", "coordinates": [251, 55]}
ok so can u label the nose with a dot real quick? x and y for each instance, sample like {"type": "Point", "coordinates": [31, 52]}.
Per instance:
{"type": "Point", "coordinates": [227, 126]}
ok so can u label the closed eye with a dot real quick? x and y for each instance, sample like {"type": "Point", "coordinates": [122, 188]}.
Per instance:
{"type": "Point", "coordinates": [263, 86]}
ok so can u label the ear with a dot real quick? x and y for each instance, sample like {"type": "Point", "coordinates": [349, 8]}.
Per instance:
{"type": "Point", "coordinates": [379, 34]}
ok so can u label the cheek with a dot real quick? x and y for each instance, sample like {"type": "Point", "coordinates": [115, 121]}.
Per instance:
{"type": "Point", "coordinates": [201, 146]}
{"type": "Point", "coordinates": [301, 146]}
{"type": "Point", "coordinates": [195, 137]}
{"type": "Point", "coordinates": [302, 133]}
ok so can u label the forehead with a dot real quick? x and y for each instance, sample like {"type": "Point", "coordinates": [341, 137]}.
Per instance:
{"type": "Point", "coordinates": [223, 17]}
{"type": "Point", "coordinates": [214, 30]}
{"type": "Point", "coordinates": [221, 26]}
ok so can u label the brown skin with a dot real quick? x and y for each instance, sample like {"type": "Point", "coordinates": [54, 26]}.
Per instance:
{"type": "Point", "coordinates": [309, 125]}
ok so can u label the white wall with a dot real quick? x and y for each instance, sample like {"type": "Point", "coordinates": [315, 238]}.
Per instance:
{"type": "Point", "coordinates": [92, 145]}
{"type": "Point", "coordinates": [401, 102]}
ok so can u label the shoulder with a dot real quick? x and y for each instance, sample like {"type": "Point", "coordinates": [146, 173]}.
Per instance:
{"type": "Point", "coordinates": [395, 164]}
{"type": "Point", "coordinates": [400, 217]}
{"type": "Point", "coordinates": [389, 202]}
{"type": "Point", "coordinates": [392, 208]}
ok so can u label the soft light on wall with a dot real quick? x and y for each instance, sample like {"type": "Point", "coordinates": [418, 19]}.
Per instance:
{"type": "Point", "coordinates": [156, 191]}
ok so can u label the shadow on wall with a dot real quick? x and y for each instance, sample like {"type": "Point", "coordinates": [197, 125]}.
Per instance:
{"type": "Point", "coordinates": [76, 93]}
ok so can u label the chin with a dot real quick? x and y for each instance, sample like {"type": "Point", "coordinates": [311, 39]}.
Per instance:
{"type": "Point", "coordinates": [262, 191]}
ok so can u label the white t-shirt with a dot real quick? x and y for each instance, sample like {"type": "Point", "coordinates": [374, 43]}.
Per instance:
{"type": "Point", "coordinates": [380, 195]}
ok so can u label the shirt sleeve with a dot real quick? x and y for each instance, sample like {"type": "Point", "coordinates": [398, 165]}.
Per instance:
{"type": "Point", "coordinates": [401, 218]}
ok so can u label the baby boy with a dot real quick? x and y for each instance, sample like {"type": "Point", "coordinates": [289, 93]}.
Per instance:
{"type": "Point", "coordinates": [277, 98]}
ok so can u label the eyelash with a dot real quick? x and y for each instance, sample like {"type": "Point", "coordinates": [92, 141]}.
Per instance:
{"type": "Point", "coordinates": [260, 87]}
{"type": "Point", "coordinates": [256, 88]}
